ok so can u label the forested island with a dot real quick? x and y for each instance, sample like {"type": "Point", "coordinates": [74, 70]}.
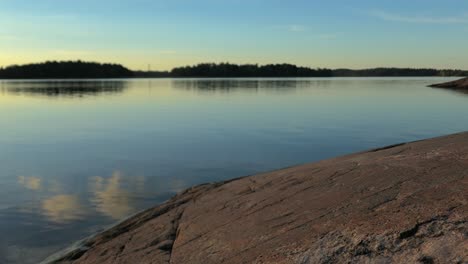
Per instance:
{"type": "Point", "coordinates": [65, 70]}
{"type": "Point", "coordinates": [83, 70]}
{"type": "Point", "coordinates": [249, 70]}
{"type": "Point", "coordinates": [289, 70]}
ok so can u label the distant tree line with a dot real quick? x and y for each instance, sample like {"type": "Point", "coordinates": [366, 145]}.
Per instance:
{"type": "Point", "coordinates": [227, 70]}
{"type": "Point", "coordinates": [397, 72]}
{"type": "Point", "coordinates": [79, 69]}
{"type": "Point", "coordinates": [65, 70]}
{"type": "Point", "coordinates": [248, 70]}
{"type": "Point", "coordinates": [151, 74]}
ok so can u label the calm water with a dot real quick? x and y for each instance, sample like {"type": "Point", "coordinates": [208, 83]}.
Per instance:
{"type": "Point", "coordinates": [77, 156]}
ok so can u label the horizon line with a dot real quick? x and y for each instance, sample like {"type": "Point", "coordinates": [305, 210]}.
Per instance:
{"type": "Point", "coordinates": [238, 64]}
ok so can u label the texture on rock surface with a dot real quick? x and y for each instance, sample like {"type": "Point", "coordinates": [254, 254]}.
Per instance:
{"type": "Point", "coordinates": [400, 204]}
{"type": "Point", "coordinates": [461, 84]}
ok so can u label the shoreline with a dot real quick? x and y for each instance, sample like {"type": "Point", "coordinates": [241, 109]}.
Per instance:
{"type": "Point", "coordinates": [221, 78]}
{"type": "Point", "coordinates": [400, 202]}
{"type": "Point", "coordinates": [457, 85]}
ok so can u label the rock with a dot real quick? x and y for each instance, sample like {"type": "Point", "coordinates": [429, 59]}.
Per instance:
{"type": "Point", "coordinates": [461, 84]}
{"type": "Point", "coordinates": [405, 203]}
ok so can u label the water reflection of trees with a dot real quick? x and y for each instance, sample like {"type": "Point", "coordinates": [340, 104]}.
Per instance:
{"type": "Point", "coordinates": [63, 88]}
{"type": "Point", "coordinates": [245, 85]}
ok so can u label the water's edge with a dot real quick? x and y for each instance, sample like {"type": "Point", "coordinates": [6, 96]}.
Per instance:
{"type": "Point", "coordinates": [80, 247]}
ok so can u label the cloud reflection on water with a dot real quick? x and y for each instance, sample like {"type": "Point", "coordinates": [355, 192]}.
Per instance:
{"type": "Point", "coordinates": [63, 208]}
{"type": "Point", "coordinates": [31, 183]}
{"type": "Point", "coordinates": [110, 198]}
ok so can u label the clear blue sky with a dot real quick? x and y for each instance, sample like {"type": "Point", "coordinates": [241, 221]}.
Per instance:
{"type": "Point", "coordinates": [168, 33]}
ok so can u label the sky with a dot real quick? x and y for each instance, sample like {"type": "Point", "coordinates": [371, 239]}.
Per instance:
{"type": "Point", "coordinates": [170, 33]}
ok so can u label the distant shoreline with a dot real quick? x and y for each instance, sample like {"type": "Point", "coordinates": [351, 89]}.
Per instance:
{"type": "Point", "coordinates": [215, 78]}
{"type": "Point", "coordinates": [92, 70]}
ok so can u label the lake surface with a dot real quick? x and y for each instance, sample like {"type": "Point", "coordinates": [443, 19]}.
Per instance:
{"type": "Point", "coordinates": [77, 156]}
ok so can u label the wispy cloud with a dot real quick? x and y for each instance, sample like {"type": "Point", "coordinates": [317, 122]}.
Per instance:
{"type": "Point", "coordinates": [327, 36]}
{"type": "Point", "coordinates": [291, 28]}
{"type": "Point", "coordinates": [167, 52]}
{"type": "Point", "coordinates": [302, 28]}
{"type": "Point", "coordinates": [297, 28]}
{"type": "Point", "coordinates": [419, 19]}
